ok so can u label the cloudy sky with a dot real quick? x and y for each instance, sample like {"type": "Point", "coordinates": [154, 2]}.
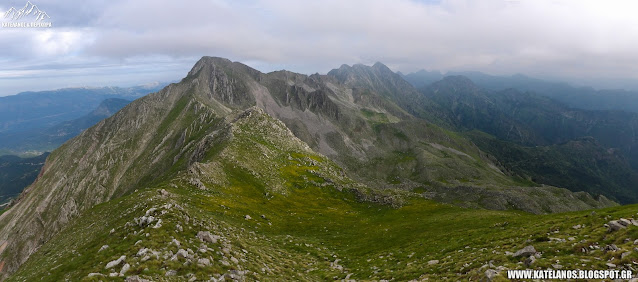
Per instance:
{"type": "Point", "coordinates": [124, 42]}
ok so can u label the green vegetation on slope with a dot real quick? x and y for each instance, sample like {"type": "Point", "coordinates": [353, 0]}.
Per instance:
{"type": "Point", "coordinates": [319, 233]}
{"type": "Point", "coordinates": [544, 141]}
{"type": "Point", "coordinates": [579, 165]}
{"type": "Point", "coordinates": [17, 173]}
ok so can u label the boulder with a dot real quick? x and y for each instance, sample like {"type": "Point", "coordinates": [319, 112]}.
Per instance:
{"type": "Point", "coordinates": [624, 222]}
{"type": "Point", "coordinates": [182, 253]}
{"type": "Point", "coordinates": [203, 262]}
{"type": "Point", "coordinates": [104, 247]}
{"type": "Point", "coordinates": [490, 274]}
{"type": "Point", "coordinates": [529, 261]}
{"type": "Point", "coordinates": [144, 220]}
{"type": "Point", "coordinates": [116, 262]}
{"type": "Point", "coordinates": [135, 278]}
{"type": "Point", "coordinates": [207, 237]}
{"type": "Point", "coordinates": [525, 252]}
{"type": "Point", "coordinates": [150, 211]}
{"type": "Point", "coordinates": [611, 248]}
{"type": "Point", "coordinates": [614, 225]}
{"type": "Point", "coordinates": [125, 269]}
{"type": "Point", "coordinates": [158, 224]}
{"type": "Point", "coordinates": [142, 252]}
{"type": "Point", "coordinates": [433, 262]}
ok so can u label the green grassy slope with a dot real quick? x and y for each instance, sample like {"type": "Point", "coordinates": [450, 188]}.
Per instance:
{"type": "Point", "coordinates": [304, 232]}
{"type": "Point", "coordinates": [579, 165]}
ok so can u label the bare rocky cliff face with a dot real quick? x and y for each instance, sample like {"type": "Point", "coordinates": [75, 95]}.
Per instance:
{"type": "Point", "coordinates": [157, 136]}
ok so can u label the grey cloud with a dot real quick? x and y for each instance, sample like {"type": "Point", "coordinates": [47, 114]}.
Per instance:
{"type": "Point", "coordinates": [545, 38]}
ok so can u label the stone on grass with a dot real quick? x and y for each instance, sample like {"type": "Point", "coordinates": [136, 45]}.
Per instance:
{"type": "Point", "coordinates": [611, 248]}
{"type": "Point", "coordinates": [125, 269]}
{"type": "Point", "coordinates": [203, 262]}
{"type": "Point", "coordinates": [614, 225]}
{"type": "Point", "coordinates": [135, 278]}
{"type": "Point", "coordinates": [490, 274]}
{"type": "Point", "coordinates": [182, 253]}
{"type": "Point", "coordinates": [525, 252]}
{"type": "Point", "coordinates": [624, 222]}
{"type": "Point", "coordinates": [530, 260]}
{"type": "Point", "coordinates": [207, 237]}
{"type": "Point", "coordinates": [115, 262]}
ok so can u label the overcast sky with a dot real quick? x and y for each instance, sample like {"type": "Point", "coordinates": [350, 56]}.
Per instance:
{"type": "Point", "coordinates": [133, 42]}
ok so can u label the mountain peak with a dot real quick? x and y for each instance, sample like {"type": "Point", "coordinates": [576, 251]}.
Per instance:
{"type": "Point", "coordinates": [380, 66]}
{"type": "Point", "coordinates": [458, 81]}
{"type": "Point", "coordinates": [208, 61]}
{"type": "Point", "coordinates": [455, 83]}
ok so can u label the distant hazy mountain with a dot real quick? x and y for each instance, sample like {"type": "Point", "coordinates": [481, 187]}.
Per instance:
{"type": "Point", "coordinates": [36, 141]}
{"type": "Point", "coordinates": [17, 173]}
{"type": "Point", "coordinates": [576, 97]}
{"type": "Point", "coordinates": [422, 78]}
{"type": "Point", "coordinates": [543, 139]}
{"type": "Point", "coordinates": [37, 110]}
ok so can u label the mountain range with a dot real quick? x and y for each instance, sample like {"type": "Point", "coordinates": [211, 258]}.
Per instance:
{"type": "Point", "coordinates": [575, 97]}
{"type": "Point", "coordinates": [38, 110]}
{"type": "Point", "coordinates": [236, 174]}
{"type": "Point", "coordinates": [39, 140]}
{"type": "Point", "coordinates": [541, 138]}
